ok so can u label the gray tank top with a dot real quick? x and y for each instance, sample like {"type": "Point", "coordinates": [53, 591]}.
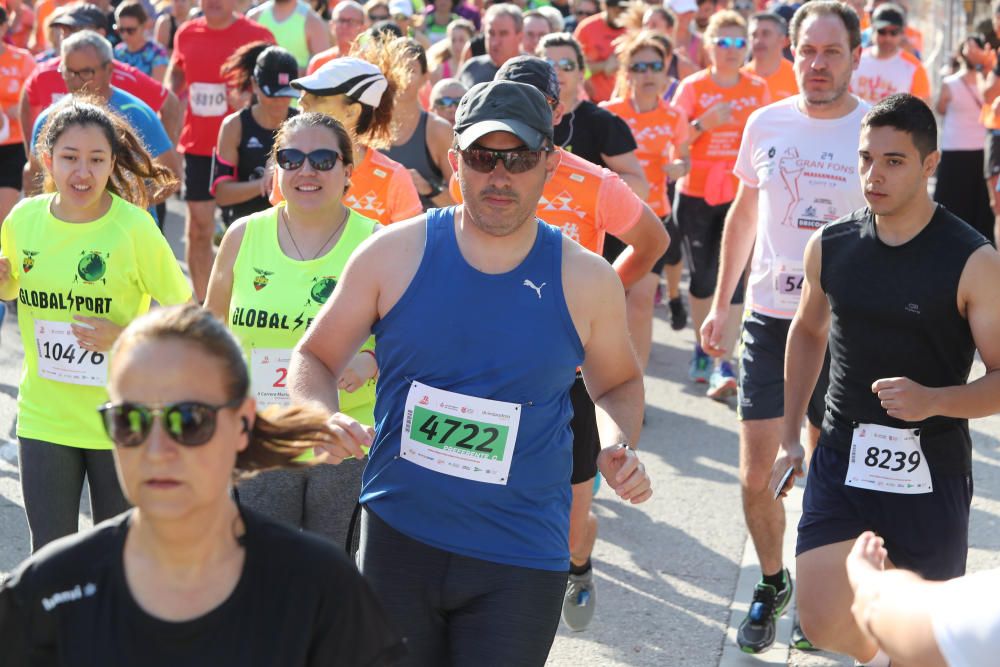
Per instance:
{"type": "Point", "coordinates": [415, 155]}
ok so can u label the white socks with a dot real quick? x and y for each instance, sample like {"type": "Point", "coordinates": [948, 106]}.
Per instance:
{"type": "Point", "coordinates": [880, 660]}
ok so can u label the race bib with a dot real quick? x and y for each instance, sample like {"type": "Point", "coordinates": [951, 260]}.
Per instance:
{"type": "Point", "coordinates": [208, 99]}
{"type": "Point", "coordinates": [788, 277]}
{"type": "Point", "coordinates": [889, 460]}
{"type": "Point", "coordinates": [61, 358]}
{"type": "Point", "coordinates": [269, 376]}
{"type": "Point", "coordinates": [458, 435]}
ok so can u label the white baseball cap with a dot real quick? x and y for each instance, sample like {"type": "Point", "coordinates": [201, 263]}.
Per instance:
{"type": "Point", "coordinates": [404, 7]}
{"type": "Point", "coordinates": [681, 6]}
{"type": "Point", "coordinates": [355, 78]}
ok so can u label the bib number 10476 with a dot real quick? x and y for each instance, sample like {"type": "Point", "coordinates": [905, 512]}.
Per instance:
{"type": "Point", "coordinates": [459, 435]}
{"type": "Point", "coordinates": [61, 358]}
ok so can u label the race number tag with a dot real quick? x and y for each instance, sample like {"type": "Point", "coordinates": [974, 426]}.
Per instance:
{"type": "Point", "coordinates": [269, 376]}
{"type": "Point", "coordinates": [458, 435]}
{"type": "Point", "coordinates": [788, 276]}
{"type": "Point", "coordinates": [61, 358]}
{"type": "Point", "coordinates": [889, 460]}
{"type": "Point", "coordinates": [208, 99]}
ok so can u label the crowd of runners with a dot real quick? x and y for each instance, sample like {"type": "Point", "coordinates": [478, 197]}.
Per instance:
{"type": "Point", "coordinates": [326, 442]}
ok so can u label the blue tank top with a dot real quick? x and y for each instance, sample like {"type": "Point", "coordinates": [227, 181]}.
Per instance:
{"type": "Point", "coordinates": [505, 337]}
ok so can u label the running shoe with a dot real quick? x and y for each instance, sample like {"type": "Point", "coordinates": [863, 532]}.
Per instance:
{"type": "Point", "coordinates": [799, 639]}
{"type": "Point", "coordinates": [756, 632]}
{"type": "Point", "coordinates": [678, 314]}
{"type": "Point", "coordinates": [701, 366]}
{"type": "Point", "coordinates": [722, 383]}
{"type": "Point", "coordinates": [580, 601]}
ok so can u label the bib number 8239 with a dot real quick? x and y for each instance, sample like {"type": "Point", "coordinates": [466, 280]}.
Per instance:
{"type": "Point", "coordinates": [900, 459]}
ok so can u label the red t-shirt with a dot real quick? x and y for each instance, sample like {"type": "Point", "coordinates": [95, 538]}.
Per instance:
{"type": "Point", "coordinates": [597, 37]}
{"type": "Point", "coordinates": [199, 52]}
{"type": "Point", "coordinates": [46, 86]}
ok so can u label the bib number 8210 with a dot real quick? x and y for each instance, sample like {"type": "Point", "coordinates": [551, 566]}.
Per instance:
{"type": "Point", "coordinates": [900, 459]}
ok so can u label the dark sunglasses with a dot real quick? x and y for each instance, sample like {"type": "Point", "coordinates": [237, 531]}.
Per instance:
{"type": "Point", "coordinates": [126, 30]}
{"type": "Point", "coordinates": [377, 17]}
{"type": "Point", "coordinates": [188, 423]}
{"type": "Point", "coordinates": [891, 32]}
{"type": "Point", "coordinates": [515, 160]}
{"type": "Point", "coordinates": [642, 68]}
{"type": "Point", "coordinates": [565, 64]}
{"type": "Point", "coordinates": [582, 13]}
{"type": "Point", "coordinates": [731, 42]}
{"type": "Point", "coordinates": [447, 101]}
{"type": "Point", "coordinates": [321, 159]}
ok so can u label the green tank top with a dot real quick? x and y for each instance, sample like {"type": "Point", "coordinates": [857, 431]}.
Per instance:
{"type": "Point", "coordinates": [275, 299]}
{"type": "Point", "coordinates": [289, 34]}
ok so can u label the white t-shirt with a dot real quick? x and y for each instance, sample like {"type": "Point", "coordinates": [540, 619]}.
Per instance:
{"type": "Point", "coordinates": [961, 129]}
{"type": "Point", "coordinates": [806, 171]}
{"type": "Point", "coordinates": [877, 78]}
{"type": "Point", "coordinates": [966, 620]}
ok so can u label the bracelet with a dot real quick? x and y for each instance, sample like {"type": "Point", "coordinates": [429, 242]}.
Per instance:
{"type": "Point", "coordinates": [374, 358]}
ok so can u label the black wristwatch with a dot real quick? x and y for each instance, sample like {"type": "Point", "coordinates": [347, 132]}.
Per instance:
{"type": "Point", "coordinates": [435, 191]}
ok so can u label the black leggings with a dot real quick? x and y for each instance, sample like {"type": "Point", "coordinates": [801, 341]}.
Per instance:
{"type": "Point", "coordinates": [51, 481]}
{"type": "Point", "coordinates": [701, 229]}
{"type": "Point", "coordinates": [458, 611]}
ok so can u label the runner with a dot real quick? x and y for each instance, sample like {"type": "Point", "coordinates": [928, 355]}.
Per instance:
{"type": "Point", "coordinates": [660, 132]}
{"type": "Point", "coordinates": [798, 171]}
{"type": "Point", "coordinates": [135, 49]}
{"type": "Point", "coordinates": [907, 293]}
{"type": "Point", "coordinates": [201, 48]}
{"type": "Point", "coordinates": [274, 271]}
{"type": "Point", "coordinates": [170, 21]}
{"type": "Point", "coordinates": [446, 56]}
{"type": "Point", "coordinates": [502, 27]}
{"type": "Point", "coordinates": [587, 202]}
{"type": "Point", "coordinates": [189, 576]}
{"type": "Point", "coordinates": [488, 529]}
{"type": "Point", "coordinates": [295, 26]}
{"type": "Point", "coordinates": [348, 22]}
{"type": "Point", "coordinates": [20, 22]}
{"type": "Point", "coordinates": [718, 100]}
{"type": "Point", "coordinates": [445, 96]}
{"type": "Point", "coordinates": [16, 65]}
{"type": "Point", "coordinates": [596, 36]}
{"type": "Point", "coordinates": [768, 40]}
{"type": "Point", "coordinates": [422, 140]}
{"type": "Point", "coordinates": [886, 68]}
{"type": "Point", "coordinates": [241, 180]}
{"type": "Point", "coordinates": [536, 26]}
{"type": "Point", "coordinates": [359, 92]}
{"type": "Point", "coordinates": [82, 261]}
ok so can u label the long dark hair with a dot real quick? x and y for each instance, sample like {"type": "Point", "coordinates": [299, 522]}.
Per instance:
{"type": "Point", "coordinates": [279, 434]}
{"type": "Point", "coordinates": [237, 70]}
{"type": "Point", "coordinates": [134, 176]}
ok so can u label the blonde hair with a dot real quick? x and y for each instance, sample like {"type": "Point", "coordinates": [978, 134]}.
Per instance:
{"type": "Point", "coordinates": [375, 128]}
{"type": "Point", "coordinates": [727, 18]}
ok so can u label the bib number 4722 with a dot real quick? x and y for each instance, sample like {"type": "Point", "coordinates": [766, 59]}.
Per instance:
{"type": "Point", "coordinates": [467, 432]}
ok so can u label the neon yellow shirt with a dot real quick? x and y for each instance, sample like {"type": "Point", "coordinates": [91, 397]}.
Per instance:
{"type": "Point", "coordinates": [275, 299]}
{"type": "Point", "coordinates": [106, 268]}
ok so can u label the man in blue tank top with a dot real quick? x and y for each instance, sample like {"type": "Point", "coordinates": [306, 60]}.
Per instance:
{"type": "Point", "coordinates": [906, 293]}
{"type": "Point", "coordinates": [481, 314]}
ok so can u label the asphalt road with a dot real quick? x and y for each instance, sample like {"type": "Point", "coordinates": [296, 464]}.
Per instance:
{"type": "Point", "coordinates": [675, 574]}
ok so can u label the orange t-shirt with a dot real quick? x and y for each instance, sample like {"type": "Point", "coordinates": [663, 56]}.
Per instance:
{"type": "Point", "coordinates": [781, 84]}
{"type": "Point", "coordinates": [713, 153]}
{"type": "Point", "coordinates": [657, 134]}
{"type": "Point", "coordinates": [21, 35]}
{"type": "Point", "coordinates": [596, 37]}
{"type": "Point", "coordinates": [322, 58]}
{"type": "Point", "coordinates": [381, 189]}
{"type": "Point", "coordinates": [16, 65]}
{"type": "Point", "coordinates": [42, 12]}
{"type": "Point", "coordinates": [583, 200]}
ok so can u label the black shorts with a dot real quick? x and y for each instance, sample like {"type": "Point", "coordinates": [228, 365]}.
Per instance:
{"type": "Point", "coordinates": [197, 177]}
{"type": "Point", "coordinates": [701, 230]}
{"type": "Point", "coordinates": [762, 372]}
{"type": "Point", "coordinates": [927, 533]}
{"type": "Point", "coordinates": [12, 161]}
{"type": "Point", "coordinates": [586, 441]}
{"type": "Point", "coordinates": [992, 161]}
{"type": "Point", "coordinates": [614, 247]}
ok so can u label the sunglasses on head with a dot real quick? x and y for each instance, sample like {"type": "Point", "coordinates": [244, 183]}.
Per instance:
{"type": "Point", "coordinates": [321, 159]}
{"type": "Point", "coordinates": [642, 68]}
{"type": "Point", "coordinates": [188, 423]}
{"type": "Point", "coordinates": [891, 32]}
{"type": "Point", "coordinates": [447, 101]}
{"type": "Point", "coordinates": [731, 42]}
{"type": "Point", "coordinates": [515, 160]}
{"type": "Point", "coordinates": [565, 64]}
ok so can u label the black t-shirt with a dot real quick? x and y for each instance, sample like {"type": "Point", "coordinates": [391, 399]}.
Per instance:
{"type": "Point", "coordinates": [299, 602]}
{"type": "Point", "coordinates": [590, 131]}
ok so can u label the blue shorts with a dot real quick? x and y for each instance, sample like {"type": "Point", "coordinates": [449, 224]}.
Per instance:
{"type": "Point", "coordinates": [927, 533]}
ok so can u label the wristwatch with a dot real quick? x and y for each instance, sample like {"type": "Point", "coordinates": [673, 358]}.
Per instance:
{"type": "Point", "coordinates": [435, 191]}
{"type": "Point", "coordinates": [696, 124]}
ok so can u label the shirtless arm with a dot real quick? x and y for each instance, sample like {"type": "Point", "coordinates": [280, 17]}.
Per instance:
{"type": "Point", "coordinates": [614, 380]}
{"type": "Point", "coordinates": [220, 284]}
{"type": "Point", "coordinates": [439, 139]}
{"type": "Point", "coordinates": [317, 35]}
{"type": "Point", "coordinates": [647, 240]}
{"type": "Point", "coordinates": [627, 166]}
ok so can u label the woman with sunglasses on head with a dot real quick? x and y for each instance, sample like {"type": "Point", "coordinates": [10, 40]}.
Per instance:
{"type": "Point", "coordinates": [274, 271]}
{"type": "Point", "coordinates": [189, 577]}
{"type": "Point", "coordinates": [83, 260]}
{"type": "Point", "coordinates": [360, 93]}
{"type": "Point", "coordinates": [661, 134]}
{"type": "Point", "coordinates": [240, 179]}
{"type": "Point", "coordinates": [717, 100]}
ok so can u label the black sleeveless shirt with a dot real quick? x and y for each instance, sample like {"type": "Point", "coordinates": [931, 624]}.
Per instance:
{"type": "Point", "coordinates": [895, 314]}
{"type": "Point", "coordinates": [255, 147]}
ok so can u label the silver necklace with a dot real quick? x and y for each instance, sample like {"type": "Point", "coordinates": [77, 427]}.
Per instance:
{"type": "Point", "coordinates": [284, 218]}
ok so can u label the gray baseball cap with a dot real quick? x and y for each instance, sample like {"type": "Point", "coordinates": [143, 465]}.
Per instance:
{"type": "Point", "coordinates": [504, 106]}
